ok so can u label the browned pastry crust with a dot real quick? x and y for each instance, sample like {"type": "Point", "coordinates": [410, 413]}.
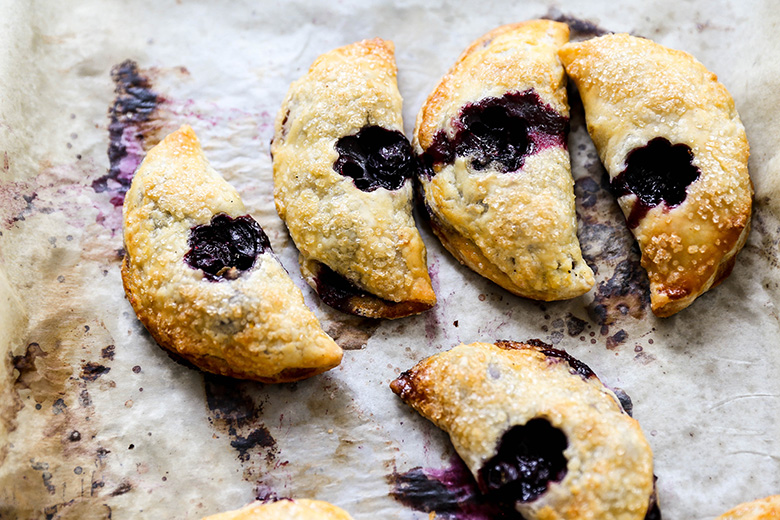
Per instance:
{"type": "Point", "coordinates": [516, 228]}
{"type": "Point", "coordinates": [367, 238]}
{"type": "Point", "coordinates": [479, 393]}
{"type": "Point", "coordinates": [254, 325]}
{"type": "Point", "coordinates": [635, 91]}
{"type": "Point", "coordinates": [298, 509]}
{"type": "Point", "coordinates": [764, 509]}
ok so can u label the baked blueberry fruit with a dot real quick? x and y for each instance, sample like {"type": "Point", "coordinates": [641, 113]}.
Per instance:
{"type": "Point", "coordinates": [343, 184]}
{"type": "Point", "coordinates": [496, 177]}
{"type": "Point", "coordinates": [537, 429]}
{"type": "Point", "coordinates": [676, 152]}
{"type": "Point", "coordinates": [202, 278]}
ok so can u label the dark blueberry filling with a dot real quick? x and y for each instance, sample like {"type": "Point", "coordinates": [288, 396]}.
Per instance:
{"type": "Point", "coordinates": [375, 158]}
{"type": "Point", "coordinates": [657, 172]}
{"type": "Point", "coordinates": [499, 132]}
{"type": "Point", "coordinates": [226, 247]}
{"type": "Point", "coordinates": [529, 457]}
{"type": "Point", "coordinates": [653, 511]}
{"type": "Point", "coordinates": [576, 365]}
{"type": "Point", "coordinates": [335, 290]}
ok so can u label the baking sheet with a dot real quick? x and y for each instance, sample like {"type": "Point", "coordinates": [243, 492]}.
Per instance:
{"type": "Point", "coordinates": [98, 422]}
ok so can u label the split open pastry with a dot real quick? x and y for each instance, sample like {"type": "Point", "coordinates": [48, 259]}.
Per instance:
{"type": "Point", "coordinates": [298, 509]}
{"type": "Point", "coordinates": [497, 179]}
{"type": "Point", "coordinates": [676, 152]}
{"type": "Point", "coordinates": [343, 184]}
{"type": "Point", "coordinates": [201, 276]}
{"type": "Point", "coordinates": [537, 429]}
{"type": "Point", "coordinates": [764, 509]}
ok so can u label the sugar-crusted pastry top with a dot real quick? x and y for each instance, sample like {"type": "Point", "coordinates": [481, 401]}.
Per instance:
{"type": "Point", "coordinates": [636, 91]}
{"type": "Point", "coordinates": [479, 392]}
{"type": "Point", "coordinates": [763, 509]}
{"type": "Point", "coordinates": [513, 223]}
{"type": "Point", "coordinates": [253, 324]}
{"type": "Point", "coordinates": [367, 237]}
{"type": "Point", "coordinates": [298, 509]}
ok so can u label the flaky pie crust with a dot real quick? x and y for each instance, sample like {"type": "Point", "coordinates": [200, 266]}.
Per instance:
{"type": "Point", "coordinates": [763, 509]}
{"type": "Point", "coordinates": [479, 391]}
{"type": "Point", "coordinates": [369, 238]}
{"type": "Point", "coordinates": [254, 327]}
{"type": "Point", "coordinates": [635, 90]}
{"type": "Point", "coordinates": [518, 229]}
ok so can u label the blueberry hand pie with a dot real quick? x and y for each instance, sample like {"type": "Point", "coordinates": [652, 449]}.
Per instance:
{"type": "Point", "coordinates": [201, 276]}
{"type": "Point", "coordinates": [497, 178]}
{"type": "Point", "coordinates": [298, 509]}
{"type": "Point", "coordinates": [676, 153]}
{"type": "Point", "coordinates": [537, 429]}
{"type": "Point", "coordinates": [342, 184]}
{"type": "Point", "coordinates": [764, 509]}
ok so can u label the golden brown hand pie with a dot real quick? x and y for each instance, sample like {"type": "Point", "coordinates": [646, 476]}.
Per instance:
{"type": "Point", "coordinates": [676, 153]}
{"type": "Point", "coordinates": [202, 278]}
{"type": "Point", "coordinates": [764, 509]}
{"type": "Point", "coordinates": [298, 509]}
{"type": "Point", "coordinates": [342, 177]}
{"type": "Point", "coordinates": [536, 428]}
{"type": "Point", "coordinates": [497, 182]}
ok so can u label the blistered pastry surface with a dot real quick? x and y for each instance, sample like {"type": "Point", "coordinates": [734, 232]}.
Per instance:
{"type": "Point", "coordinates": [160, 440]}
{"type": "Point", "coordinates": [635, 90]}
{"type": "Point", "coordinates": [477, 392]}
{"type": "Point", "coordinates": [298, 509]}
{"type": "Point", "coordinates": [254, 327]}
{"type": "Point", "coordinates": [518, 228]}
{"type": "Point", "coordinates": [762, 509]}
{"type": "Point", "coordinates": [369, 238]}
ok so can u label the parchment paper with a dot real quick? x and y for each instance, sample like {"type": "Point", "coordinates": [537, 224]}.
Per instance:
{"type": "Point", "coordinates": [97, 421]}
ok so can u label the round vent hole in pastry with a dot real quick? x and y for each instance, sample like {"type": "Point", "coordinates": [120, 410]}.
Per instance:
{"type": "Point", "coordinates": [375, 158]}
{"type": "Point", "coordinates": [657, 172]}
{"type": "Point", "coordinates": [501, 132]}
{"type": "Point", "coordinates": [226, 246]}
{"type": "Point", "coordinates": [528, 458]}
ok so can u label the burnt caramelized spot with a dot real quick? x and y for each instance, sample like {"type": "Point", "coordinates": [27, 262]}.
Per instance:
{"type": "Point", "coordinates": [578, 366]}
{"type": "Point", "coordinates": [226, 246]}
{"type": "Point", "coordinates": [528, 458]}
{"type": "Point", "coordinates": [656, 173]}
{"type": "Point", "coordinates": [375, 158]}
{"type": "Point", "coordinates": [548, 350]}
{"type": "Point", "coordinates": [404, 386]}
{"type": "Point", "coordinates": [499, 132]}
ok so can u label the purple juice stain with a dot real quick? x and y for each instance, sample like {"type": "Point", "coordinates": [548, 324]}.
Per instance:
{"type": "Point", "coordinates": [226, 246]}
{"type": "Point", "coordinates": [656, 173]}
{"type": "Point", "coordinates": [451, 492]}
{"type": "Point", "coordinates": [500, 133]}
{"type": "Point", "coordinates": [529, 457]}
{"type": "Point", "coordinates": [376, 158]}
{"type": "Point", "coordinates": [134, 104]}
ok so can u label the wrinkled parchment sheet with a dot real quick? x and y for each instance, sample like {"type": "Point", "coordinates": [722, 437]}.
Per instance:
{"type": "Point", "coordinates": [97, 421]}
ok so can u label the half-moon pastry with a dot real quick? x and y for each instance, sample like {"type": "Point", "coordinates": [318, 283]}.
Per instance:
{"type": "Point", "coordinates": [298, 509]}
{"type": "Point", "coordinates": [764, 509]}
{"type": "Point", "coordinates": [201, 276]}
{"type": "Point", "coordinates": [676, 152]}
{"type": "Point", "coordinates": [497, 178]}
{"type": "Point", "coordinates": [342, 184]}
{"type": "Point", "coordinates": [537, 429]}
